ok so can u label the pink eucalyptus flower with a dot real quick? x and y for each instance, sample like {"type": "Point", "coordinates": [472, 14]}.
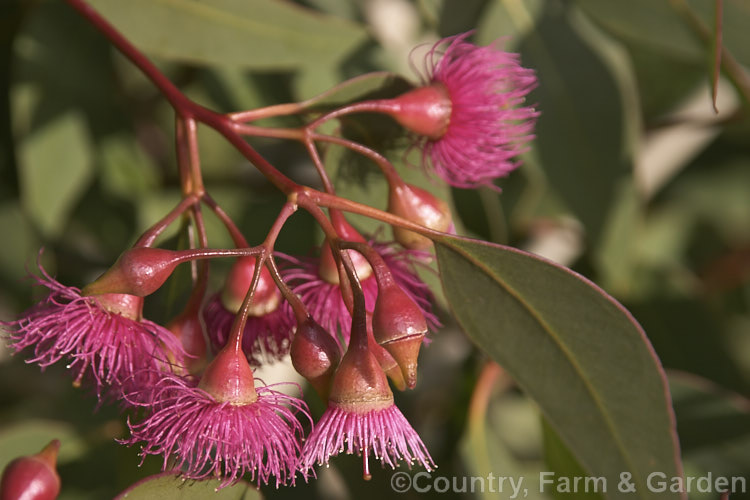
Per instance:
{"type": "Point", "coordinates": [325, 302]}
{"type": "Point", "coordinates": [487, 127]}
{"type": "Point", "coordinates": [266, 337]}
{"type": "Point", "coordinates": [385, 433]}
{"type": "Point", "coordinates": [361, 418]}
{"type": "Point", "coordinates": [208, 438]}
{"type": "Point", "coordinates": [102, 337]}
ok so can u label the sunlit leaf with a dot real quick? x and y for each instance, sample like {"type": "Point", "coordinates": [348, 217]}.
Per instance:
{"type": "Point", "coordinates": [28, 438]}
{"type": "Point", "coordinates": [574, 350]}
{"type": "Point", "coordinates": [249, 33]}
{"type": "Point", "coordinates": [56, 167]}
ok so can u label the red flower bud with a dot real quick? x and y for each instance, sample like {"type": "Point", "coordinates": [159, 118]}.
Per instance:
{"type": "Point", "coordinates": [139, 271]}
{"type": "Point", "coordinates": [360, 385]}
{"type": "Point", "coordinates": [33, 477]}
{"type": "Point", "coordinates": [266, 297]}
{"type": "Point", "coordinates": [420, 206]}
{"type": "Point", "coordinates": [188, 328]}
{"type": "Point", "coordinates": [328, 269]}
{"type": "Point", "coordinates": [229, 377]}
{"type": "Point", "coordinates": [315, 355]}
{"type": "Point", "coordinates": [386, 361]}
{"type": "Point", "coordinates": [424, 110]}
{"type": "Point", "coordinates": [400, 327]}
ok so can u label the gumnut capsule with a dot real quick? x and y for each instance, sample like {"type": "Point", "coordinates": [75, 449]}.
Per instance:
{"type": "Point", "coordinates": [419, 206]}
{"type": "Point", "coordinates": [139, 271]}
{"type": "Point", "coordinates": [315, 355]}
{"type": "Point", "coordinates": [400, 327]}
{"type": "Point", "coordinates": [266, 297]}
{"type": "Point", "coordinates": [32, 477]}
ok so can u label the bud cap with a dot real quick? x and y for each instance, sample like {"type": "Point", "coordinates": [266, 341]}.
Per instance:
{"type": "Point", "coordinates": [400, 327]}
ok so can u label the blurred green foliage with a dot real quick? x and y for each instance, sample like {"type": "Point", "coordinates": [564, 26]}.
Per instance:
{"type": "Point", "coordinates": [87, 163]}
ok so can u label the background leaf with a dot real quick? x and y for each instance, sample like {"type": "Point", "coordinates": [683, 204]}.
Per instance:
{"type": "Point", "coordinates": [248, 33]}
{"type": "Point", "coordinates": [28, 438]}
{"type": "Point", "coordinates": [647, 22]}
{"type": "Point", "coordinates": [585, 130]}
{"type": "Point", "coordinates": [170, 487]}
{"type": "Point", "coordinates": [57, 166]}
{"type": "Point", "coordinates": [714, 427]}
{"type": "Point", "coordinates": [609, 401]}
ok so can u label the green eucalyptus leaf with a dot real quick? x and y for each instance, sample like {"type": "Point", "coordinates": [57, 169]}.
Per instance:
{"type": "Point", "coordinates": [55, 169]}
{"type": "Point", "coordinates": [508, 19]}
{"type": "Point", "coordinates": [260, 34]}
{"type": "Point", "coordinates": [125, 169]}
{"type": "Point", "coordinates": [15, 258]}
{"type": "Point", "coordinates": [356, 88]}
{"type": "Point", "coordinates": [653, 23]}
{"type": "Point", "coordinates": [457, 17]}
{"type": "Point", "coordinates": [736, 15]}
{"type": "Point", "coordinates": [29, 437]}
{"type": "Point", "coordinates": [714, 427]}
{"type": "Point", "coordinates": [501, 434]}
{"type": "Point", "coordinates": [561, 462]}
{"type": "Point", "coordinates": [588, 124]}
{"type": "Point", "coordinates": [168, 486]}
{"type": "Point", "coordinates": [574, 350]}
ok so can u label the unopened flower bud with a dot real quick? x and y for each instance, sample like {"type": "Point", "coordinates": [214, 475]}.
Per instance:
{"type": "Point", "coordinates": [266, 297]}
{"type": "Point", "coordinates": [188, 329]}
{"type": "Point", "coordinates": [328, 269]}
{"type": "Point", "coordinates": [424, 110]}
{"type": "Point", "coordinates": [360, 385]}
{"type": "Point", "coordinates": [386, 361]}
{"type": "Point", "coordinates": [400, 327]}
{"type": "Point", "coordinates": [229, 377]}
{"type": "Point", "coordinates": [315, 355]}
{"type": "Point", "coordinates": [139, 271]}
{"type": "Point", "coordinates": [419, 206]}
{"type": "Point", "coordinates": [32, 477]}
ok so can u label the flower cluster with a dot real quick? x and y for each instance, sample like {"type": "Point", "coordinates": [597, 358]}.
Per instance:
{"type": "Point", "coordinates": [352, 316]}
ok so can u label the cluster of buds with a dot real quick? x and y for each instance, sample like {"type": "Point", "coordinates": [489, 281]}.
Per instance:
{"type": "Point", "coordinates": [352, 318]}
